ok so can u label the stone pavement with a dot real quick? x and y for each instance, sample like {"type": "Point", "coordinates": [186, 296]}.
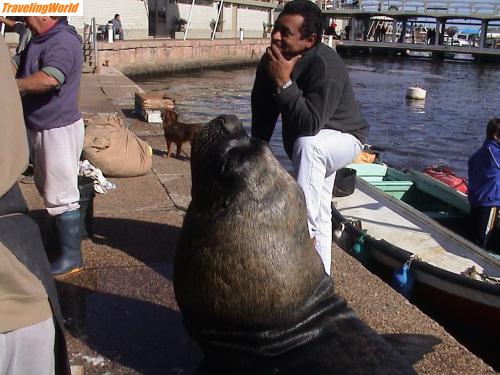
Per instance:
{"type": "Point", "coordinates": [120, 311]}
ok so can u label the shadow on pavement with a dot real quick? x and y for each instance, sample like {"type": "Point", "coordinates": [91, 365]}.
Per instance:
{"type": "Point", "coordinates": [146, 241]}
{"type": "Point", "coordinates": [147, 337]}
{"type": "Point", "coordinates": [412, 346]}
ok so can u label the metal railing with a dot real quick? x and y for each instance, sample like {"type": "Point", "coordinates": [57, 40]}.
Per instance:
{"type": "Point", "coordinates": [452, 7]}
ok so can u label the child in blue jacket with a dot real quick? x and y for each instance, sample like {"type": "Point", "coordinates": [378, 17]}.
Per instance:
{"type": "Point", "coordinates": [484, 183]}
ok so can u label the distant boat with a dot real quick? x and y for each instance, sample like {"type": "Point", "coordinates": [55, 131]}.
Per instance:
{"type": "Point", "coordinates": [420, 249]}
{"type": "Point", "coordinates": [417, 53]}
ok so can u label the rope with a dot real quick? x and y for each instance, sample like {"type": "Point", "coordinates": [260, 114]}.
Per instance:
{"type": "Point", "coordinates": [480, 276]}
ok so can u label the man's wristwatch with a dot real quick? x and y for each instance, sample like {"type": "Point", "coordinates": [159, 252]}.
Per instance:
{"type": "Point", "coordinates": [287, 84]}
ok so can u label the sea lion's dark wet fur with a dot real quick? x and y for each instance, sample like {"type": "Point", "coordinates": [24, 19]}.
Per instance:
{"type": "Point", "coordinates": [247, 279]}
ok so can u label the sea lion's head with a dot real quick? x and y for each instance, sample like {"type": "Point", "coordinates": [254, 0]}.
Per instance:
{"type": "Point", "coordinates": [244, 258]}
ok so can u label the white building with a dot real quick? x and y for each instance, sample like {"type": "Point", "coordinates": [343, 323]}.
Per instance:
{"type": "Point", "coordinates": [143, 19]}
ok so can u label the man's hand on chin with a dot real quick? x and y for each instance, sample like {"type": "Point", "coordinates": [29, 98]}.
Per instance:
{"type": "Point", "coordinates": [278, 67]}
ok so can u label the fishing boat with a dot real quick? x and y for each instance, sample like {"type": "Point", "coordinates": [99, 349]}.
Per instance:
{"type": "Point", "coordinates": [403, 227]}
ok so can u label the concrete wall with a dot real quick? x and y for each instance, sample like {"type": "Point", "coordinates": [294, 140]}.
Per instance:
{"type": "Point", "coordinates": [152, 56]}
{"type": "Point", "coordinates": [133, 14]}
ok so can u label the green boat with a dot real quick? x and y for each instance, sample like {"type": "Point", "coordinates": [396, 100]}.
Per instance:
{"type": "Point", "coordinates": [428, 195]}
{"type": "Point", "coordinates": [410, 229]}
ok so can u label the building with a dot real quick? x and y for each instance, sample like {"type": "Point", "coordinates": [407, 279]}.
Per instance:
{"type": "Point", "coordinates": [163, 18]}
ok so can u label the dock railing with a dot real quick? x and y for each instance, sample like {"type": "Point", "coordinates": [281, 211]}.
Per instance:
{"type": "Point", "coordinates": [453, 7]}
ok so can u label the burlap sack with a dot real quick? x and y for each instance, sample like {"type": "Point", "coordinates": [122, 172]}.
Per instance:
{"type": "Point", "coordinates": [115, 150]}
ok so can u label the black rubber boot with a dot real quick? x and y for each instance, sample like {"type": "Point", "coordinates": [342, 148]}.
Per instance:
{"type": "Point", "coordinates": [68, 228]}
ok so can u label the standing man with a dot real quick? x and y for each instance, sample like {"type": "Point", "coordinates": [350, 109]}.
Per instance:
{"type": "Point", "coordinates": [383, 32]}
{"type": "Point", "coordinates": [117, 26]}
{"type": "Point", "coordinates": [49, 79]}
{"type": "Point", "coordinates": [323, 129]}
{"type": "Point", "coordinates": [484, 184]}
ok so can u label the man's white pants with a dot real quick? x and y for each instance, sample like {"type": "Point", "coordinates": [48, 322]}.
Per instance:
{"type": "Point", "coordinates": [56, 153]}
{"type": "Point", "coordinates": [315, 161]}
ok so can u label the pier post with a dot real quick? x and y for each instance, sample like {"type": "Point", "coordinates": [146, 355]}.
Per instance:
{"type": "Point", "coordinates": [483, 32]}
{"type": "Point", "coordinates": [94, 41]}
{"type": "Point", "coordinates": [402, 36]}
{"type": "Point", "coordinates": [437, 35]}
{"type": "Point", "coordinates": [366, 27]}
{"type": "Point", "coordinates": [442, 31]}
{"type": "Point", "coordinates": [109, 29]}
{"type": "Point", "coordinates": [351, 29]}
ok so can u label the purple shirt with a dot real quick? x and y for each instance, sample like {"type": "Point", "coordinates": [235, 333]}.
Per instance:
{"type": "Point", "coordinates": [59, 48]}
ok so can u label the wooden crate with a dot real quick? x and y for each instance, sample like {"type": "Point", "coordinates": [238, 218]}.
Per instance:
{"type": "Point", "coordinates": [150, 105]}
{"type": "Point", "coordinates": [154, 100]}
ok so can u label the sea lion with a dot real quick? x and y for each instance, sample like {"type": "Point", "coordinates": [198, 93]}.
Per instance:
{"type": "Point", "coordinates": [251, 287]}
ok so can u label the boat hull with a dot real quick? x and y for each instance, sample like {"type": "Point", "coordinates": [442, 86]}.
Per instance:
{"type": "Point", "coordinates": [472, 304]}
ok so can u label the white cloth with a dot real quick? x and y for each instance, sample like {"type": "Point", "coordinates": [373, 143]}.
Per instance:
{"type": "Point", "coordinates": [101, 184]}
{"type": "Point", "coordinates": [315, 161]}
{"type": "Point", "coordinates": [28, 350]}
{"type": "Point", "coordinates": [56, 153]}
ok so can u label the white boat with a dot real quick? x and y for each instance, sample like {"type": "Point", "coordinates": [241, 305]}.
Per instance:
{"type": "Point", "coordinates": [447, 271]}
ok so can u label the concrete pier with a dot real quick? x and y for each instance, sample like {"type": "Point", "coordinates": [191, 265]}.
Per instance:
{"type": "Point", "coordinates": [166, 55]}
{"type": "Point", "coordinates": [120, 311]}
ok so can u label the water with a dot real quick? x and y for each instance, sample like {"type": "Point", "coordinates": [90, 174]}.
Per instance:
{"type": "Point", "coordinates": [445, 129]}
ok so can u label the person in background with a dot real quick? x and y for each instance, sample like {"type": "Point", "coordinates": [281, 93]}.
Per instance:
{"type": "Point", "coordinates": [23, 32]}
{"type": "Point", "coordinates": [333, 29]}
{"type": "Point", "coordinates": [376, 34]}
{"type": "Point", "coordinates": [117, 27]}
{"type": "Point", "coordinates": [24, 36]}
{"type": "Point", "coordinates": [322, 127]}
{"type": "Point", "coordinates": [48, 78]}
{"type": "Point", "coordinates": [31, 325]}
{"type": "Point", "coordinates": [383, 32]}
{"type": "Point", "coordinates": [484, 184]}
{"type": "Point", "coordinates": [347, 29]}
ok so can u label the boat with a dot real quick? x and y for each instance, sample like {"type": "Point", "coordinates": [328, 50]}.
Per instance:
{"type": "Point", "coordinates": [405, 228]}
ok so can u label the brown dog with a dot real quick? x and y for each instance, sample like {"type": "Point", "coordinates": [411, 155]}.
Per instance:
{"type": "Point", "coordinates": [177, 132]}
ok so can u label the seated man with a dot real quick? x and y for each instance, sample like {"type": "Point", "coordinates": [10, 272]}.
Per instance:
{"type": "Point", "coordinates": [117, 26]}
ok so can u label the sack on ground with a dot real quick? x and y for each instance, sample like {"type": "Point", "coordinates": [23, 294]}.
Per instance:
{"type": "Point", "coordinates": [115, 150]}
